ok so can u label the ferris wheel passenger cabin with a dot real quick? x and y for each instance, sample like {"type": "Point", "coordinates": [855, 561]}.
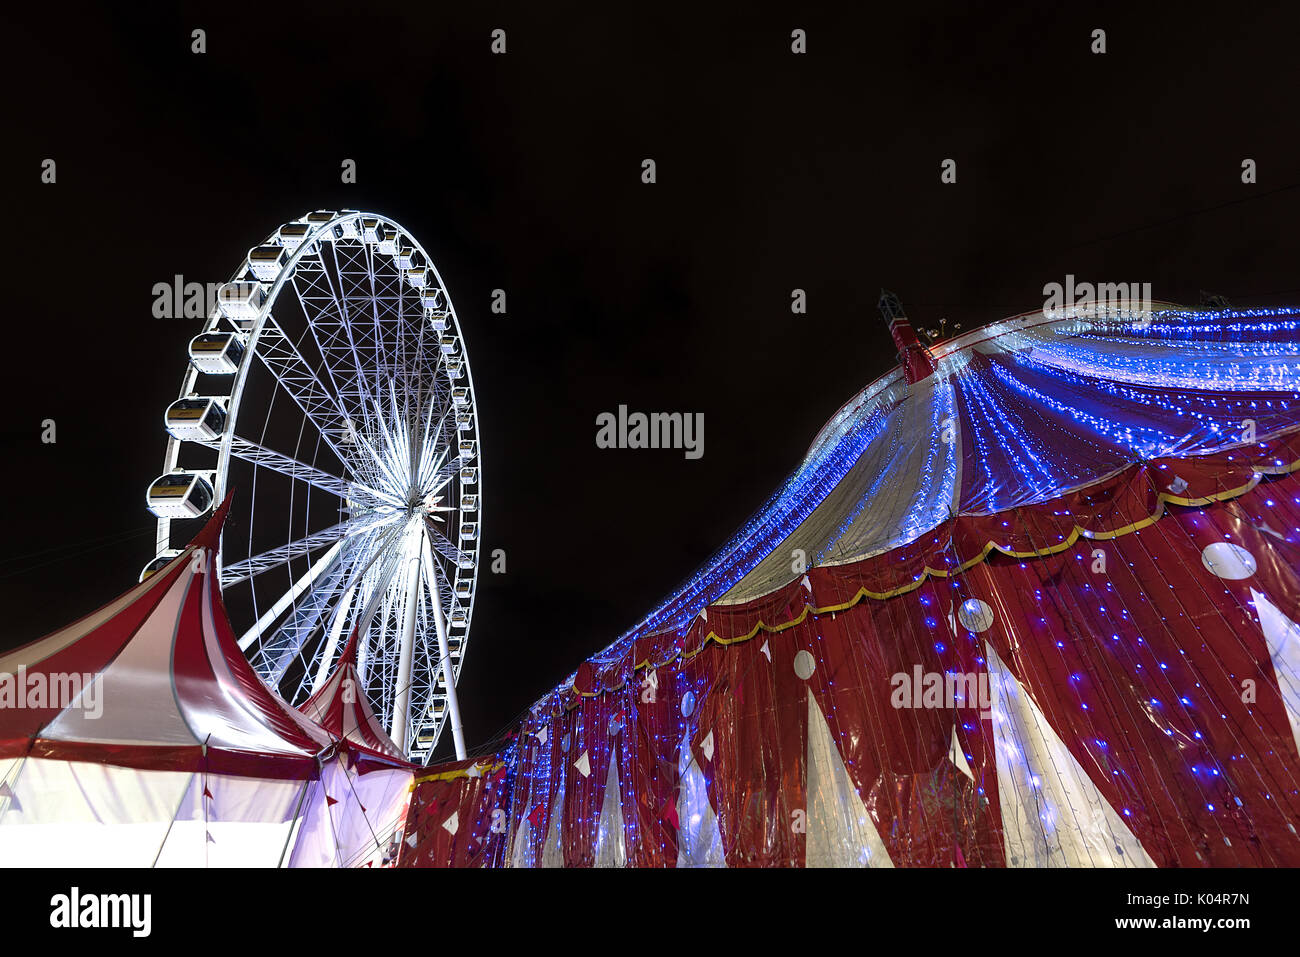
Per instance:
{"type": "Point", "coordinates": [196, 419]}
{"type": "Point", "coordinates": [179, 495]}
{"type": "Point", "coordinates": [241, 302]}
{"type": "Point", "coordinates": [293, 235]}
{"type": "Point", "coordinates": [216, 353]}
{"type": "Point", "coordinates": [265, 262]}
{"type": "Point", "coordinates": [349, 229]}
{"type": "Point", "coordinates": [158, 562]}
{"type": "Point", "coordinates": [390, 241]}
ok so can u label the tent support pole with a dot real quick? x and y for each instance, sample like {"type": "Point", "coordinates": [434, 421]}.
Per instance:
{"type": "Point", "coordinates": [185, 792]}
{"type": "Point", "coordinates": [302, 796]}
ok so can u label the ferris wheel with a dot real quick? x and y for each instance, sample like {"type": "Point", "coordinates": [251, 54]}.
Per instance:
{"type": "Point", "coordinates": [330, 387]}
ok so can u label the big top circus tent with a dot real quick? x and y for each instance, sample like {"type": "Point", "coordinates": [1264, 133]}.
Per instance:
{"type": "Point", "coordinates": [1030, 599]}
{"type": "Point", "coordinates": [140, 736]}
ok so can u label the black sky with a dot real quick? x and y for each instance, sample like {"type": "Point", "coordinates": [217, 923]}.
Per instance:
{"type": "Point", "coordinates": [522, 171]}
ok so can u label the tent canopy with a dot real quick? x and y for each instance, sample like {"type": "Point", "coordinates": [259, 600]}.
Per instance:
{"type": "Point", "coordinates": [340, 707]}
{"type": "Point", "coordinates": [155, 680]}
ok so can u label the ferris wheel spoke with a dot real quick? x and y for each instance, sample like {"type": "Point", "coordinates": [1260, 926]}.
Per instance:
{"type": "Point", "coordinates": [356, 299]}
{"type": "Point", "coordinates": [389, 470]}
{"type": "Point", "coordinates": [444, 547]}
{"type": "Point", "coordinates": [438, 448]}
{"type": "Point", "coordinates": [385, 361]}
{"type": "Point", "coordinates": [445, 475]}
{"type": "Point", "coordinates": [377, 594]}
{"type": "Point", "coordinates": [347, 323]}
{"type": "Point", "coordinates": [327, 318]}
{"type": "Point", "coordinates": [354, 557]}
{"type": "Point", "coordinates": [249, 451]}
{"type": "Point", "coordinates": [297, 378]}
{"type": "Point", "coordinates": [237, 572]}
{"type": "Point", "coordinates": [383, 658]}
{"type": "Point", "coordinates": [325, 660]}
{"type": "Point", "coordinates": [309, 598]}
{"type": "Point", "coordinates": [438, 470]}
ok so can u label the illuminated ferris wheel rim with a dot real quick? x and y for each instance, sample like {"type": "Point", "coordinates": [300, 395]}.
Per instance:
{"type": "Point", "coordinates": [374, 507]}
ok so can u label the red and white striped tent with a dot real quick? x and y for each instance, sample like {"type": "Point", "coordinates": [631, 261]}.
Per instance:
{"type": "Point", "coordinates": [355, 817]}
{"type": "Point", "coordinates": [141, 736]}
{"type": "Point", "coordinates": [340, 707]}
{"type": "Point", "coordinates": [1031, 599]}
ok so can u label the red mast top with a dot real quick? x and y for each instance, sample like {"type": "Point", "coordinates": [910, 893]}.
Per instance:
{"type": "Point", "coordinates": [915, 358]}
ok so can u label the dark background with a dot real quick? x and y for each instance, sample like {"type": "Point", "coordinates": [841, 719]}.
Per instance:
{"type": "Point", "coordinates": [522, 171]}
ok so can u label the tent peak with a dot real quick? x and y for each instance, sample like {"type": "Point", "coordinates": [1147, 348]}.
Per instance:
{"type": "Point", "coordinates": [915, 358]}
{"type": "Point", "coordinates": [210, 535]}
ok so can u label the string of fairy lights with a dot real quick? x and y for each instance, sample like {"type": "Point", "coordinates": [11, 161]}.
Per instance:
{"type": "Point", "coordinates": [696, 840]}
{"type": "Point", "coordinates": [1131, 643]}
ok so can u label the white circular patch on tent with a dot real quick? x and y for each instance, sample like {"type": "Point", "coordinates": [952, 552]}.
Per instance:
{"type": "Point", "coordinates": [804, 665]}
{"type": "Point", "coordinates": [564, 744]}
{"type": "Point", "coordinates": [688, 704]}
{"type": "Point", "coordinates": [975, 615]}
{"type": "Point", "coordinates": [1228, 561]}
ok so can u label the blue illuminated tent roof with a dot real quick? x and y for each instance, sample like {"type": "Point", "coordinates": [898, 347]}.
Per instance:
{"type": "Point", "coordinates": [1016, 413]}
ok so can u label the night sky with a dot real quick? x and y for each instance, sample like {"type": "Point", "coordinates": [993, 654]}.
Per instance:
{"type": "Point", "coordinates": [775, 171]}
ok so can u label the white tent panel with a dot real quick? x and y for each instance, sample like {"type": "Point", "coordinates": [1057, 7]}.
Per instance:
{"type": "Point", "coordinates": [841, 831]}
{"type": "Point", "coordinates": [1052, 813]}
{"type": "Point", "coordinates": [360, 826]}
{"type": "Point", "coordinates": [83, 814]}
{"type": "Point", "coordinates": [133, 704]}
{"type": "Point", "coordinates": [699, 840]}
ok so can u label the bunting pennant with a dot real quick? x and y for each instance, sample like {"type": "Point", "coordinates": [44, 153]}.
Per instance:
{"type": "Point", "coordinates": [669, 814]}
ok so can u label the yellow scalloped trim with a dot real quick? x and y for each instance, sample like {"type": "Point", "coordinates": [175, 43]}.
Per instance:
{"type": "Point", "coordinates": [1161, 500]}
{"type": "Point", "coordinates": [485, 768]}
